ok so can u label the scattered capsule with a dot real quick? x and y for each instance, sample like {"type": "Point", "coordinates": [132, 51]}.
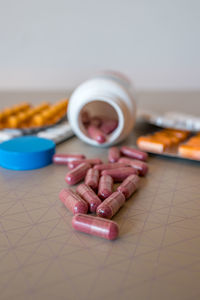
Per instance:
{"type": "Point", "coordinates": [64, 159]}
{"type": "Point", "coordinates": [108, 126]}
{"type": "Point", "coordinates": [113, 154]}
{"type": "Point", "coordinates": [134, 153]}
{"type": "Point", "coordinates": [96, 226]}
{"type": "Point", "coordinates": [89, 196]}
{"type": "Point", "coordinates": [92, 178]}
{"type": "Point", "coordinates": [109, 166]}
{"type": "Point", "coordinates": [138, 165]}
{"type": "Point", "coordinates": [105, 186]}
{"type": "Point", "coordinates": [77, 174]}
{"type": "Point", "coordinates": [129, 185]}
{"type": "Point", "coordinates": [119, 174]}
{"type": "Point", "coordinates": [93, 161]}
{"type": "Point", "coordinates": [108, 208]}
{"type": "Point", "coordinates": [96, 134]}
{"type": "Point", "coordinates": [73, 201]}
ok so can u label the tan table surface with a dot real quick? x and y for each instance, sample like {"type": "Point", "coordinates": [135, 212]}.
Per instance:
{"type": "Point", "coordinates": [157, 255]}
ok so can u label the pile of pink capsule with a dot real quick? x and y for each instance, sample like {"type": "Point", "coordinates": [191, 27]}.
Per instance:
{"type": "Point", "coordinates": [98, 128]}
{"type": "Point", "coordinates": [96, 195]}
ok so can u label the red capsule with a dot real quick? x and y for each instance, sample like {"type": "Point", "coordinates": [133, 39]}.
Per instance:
{"type": "Point", "coordinates": [92, 162]}
{"type": "Point", "coordinates": [105, 186]}
{"type": "Point", "coordinates": [73, 201]}
{"type": "Point", "coordinates": [108, 126]}
{"type": "Point", "coordinates": [113, 154]}
{"type": "Point", "coordinates": [134, 153]}
{"type": "Point", "coordinates": [92, 178]}
{"type": "Point", "coordinates": [108, 208]}
{"type": "Point", "coordinates": [106, 229]}
{"type": "Point", "coordinates": [138, 165]}
{"type": "Point", "coordinates": [109, 166]}
{"type": "Point", "coordinates": [96, 134]}
{"type": "Point", "coordinates": [129, 185]}
{"type": "Point", "coordinates": [119, 174]}
{"type": "Point", "coordinates": [89, 196]}
{"type": "Point", "coordinates": [63, 159]}
{"type": "Point", "coordinates": [77, 174]}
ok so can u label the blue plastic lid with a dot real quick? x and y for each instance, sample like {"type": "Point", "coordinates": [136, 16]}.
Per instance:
{"type": "Point", "coordinates": [26, 153]}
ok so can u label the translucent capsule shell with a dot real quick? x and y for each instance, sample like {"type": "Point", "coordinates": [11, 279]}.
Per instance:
{"type": "Point", "coordinates": [73, 201]}
{"type": "Point", "coordinates": [77, 174]}
{"type": "Point", "coordinates": [96, 226]}
{"type": "Point", "coordinates": [134, 153]}
{"type": "Point", "coordinates": [105, 186]}
{"type": "Point", "coordinates": [129, 185]}
{"type": "Point", "coordinates": [89, 196]}
{"type": "Point", "coordinates": [64, 159]}
{"type": "Point", "coordinates": [92, 178]}
{"type": "Point", "coordinates": [108, 208]}
{"type": "Point", "coordinates": [119, 174]}
{"type": "Point", "coordinates": [113, 154]}
{"type": "Point", "coordinates": [138, 165]}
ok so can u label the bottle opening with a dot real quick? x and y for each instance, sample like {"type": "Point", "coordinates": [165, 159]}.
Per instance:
{"type": "Point", "coordinates": [100, 121]}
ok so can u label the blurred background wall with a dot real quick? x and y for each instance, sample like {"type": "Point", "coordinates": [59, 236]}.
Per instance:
{"type": "Point", "coordinates": [55, 44]}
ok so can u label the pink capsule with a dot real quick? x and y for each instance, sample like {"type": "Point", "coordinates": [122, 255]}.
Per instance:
{"type": "Point", "coordinates": [92, 178]}
{"type": "Point", "coordinates": [106, 229]}
{"type": "Point", "coordinates": [108, 208]}
{"type": "Point", "coordinates": [108, 126]}
{"type": "Point", "coordinates": [89, 196]}
{"type": "Point", "coordinates": [119, 174]}
{"type": "Point", "coordinates": [113, 154]}
{"type": "Point", "coordinates": [105, 186]}
{"type": "Point", "coordinates": [77, 174]}
{"type": "Point", "coordinates": [129, 185]}
{"type": "Point", "coordinates": [96, 134]}
{"type": "Point", "coordinates": [138, 165]}
{"type": "Point", "coordinates": [109, 166]}
{"type": "Point", "coordinates": [134, 153]}
{"type": "Point", "coordinates": [92, 162]}
{"type": "Point", "coordinates": [73, 201]}
{"type": "Point", "coordinates": [63, 159]}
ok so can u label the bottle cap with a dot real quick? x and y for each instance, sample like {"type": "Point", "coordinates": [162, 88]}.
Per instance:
{"type": "Point", "coordinates": [26, 153]}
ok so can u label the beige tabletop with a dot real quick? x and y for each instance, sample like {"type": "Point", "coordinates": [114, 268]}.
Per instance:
{"type": "Point", "coordinates": [157, 255]}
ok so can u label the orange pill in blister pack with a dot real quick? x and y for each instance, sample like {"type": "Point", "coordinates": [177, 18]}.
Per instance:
{"type": "Point", "coordinates": [129, 185]}
{"type": "Point", "coordinates": [73, 201]}
{"type": "Point", "coordinates": [113, 154]}
{"type": "Point", "coordinates": [120, 174]}
{"type": "Point", "coordinates": [105, 186]}
{"type": "Point", "coordinates": [148, 143]}
{"type": "Point", "coordinates": [189, 151]}
{"type": "Point", "coordinates": [108, 208]}
{"type": "Point", "coordinates": [96, 134]}
{"type": "Point", "coordinates": [77, 174]}
{"type": "Point", "coordinates": [93, 161]}
{"type": "Point", "coordinates": [92, 178]}
{"type": "Point", "coordinates": [138, 165]}
{"type": "Point", "coordinates": [89, 196]}
{"type": "Point", "coordinates": [96, 226]}
{"type": "Point", "coordinates": [64, 159]}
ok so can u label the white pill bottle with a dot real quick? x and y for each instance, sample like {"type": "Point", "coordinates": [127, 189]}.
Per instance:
{"type": "Point", "coordinates": [108, 95]}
